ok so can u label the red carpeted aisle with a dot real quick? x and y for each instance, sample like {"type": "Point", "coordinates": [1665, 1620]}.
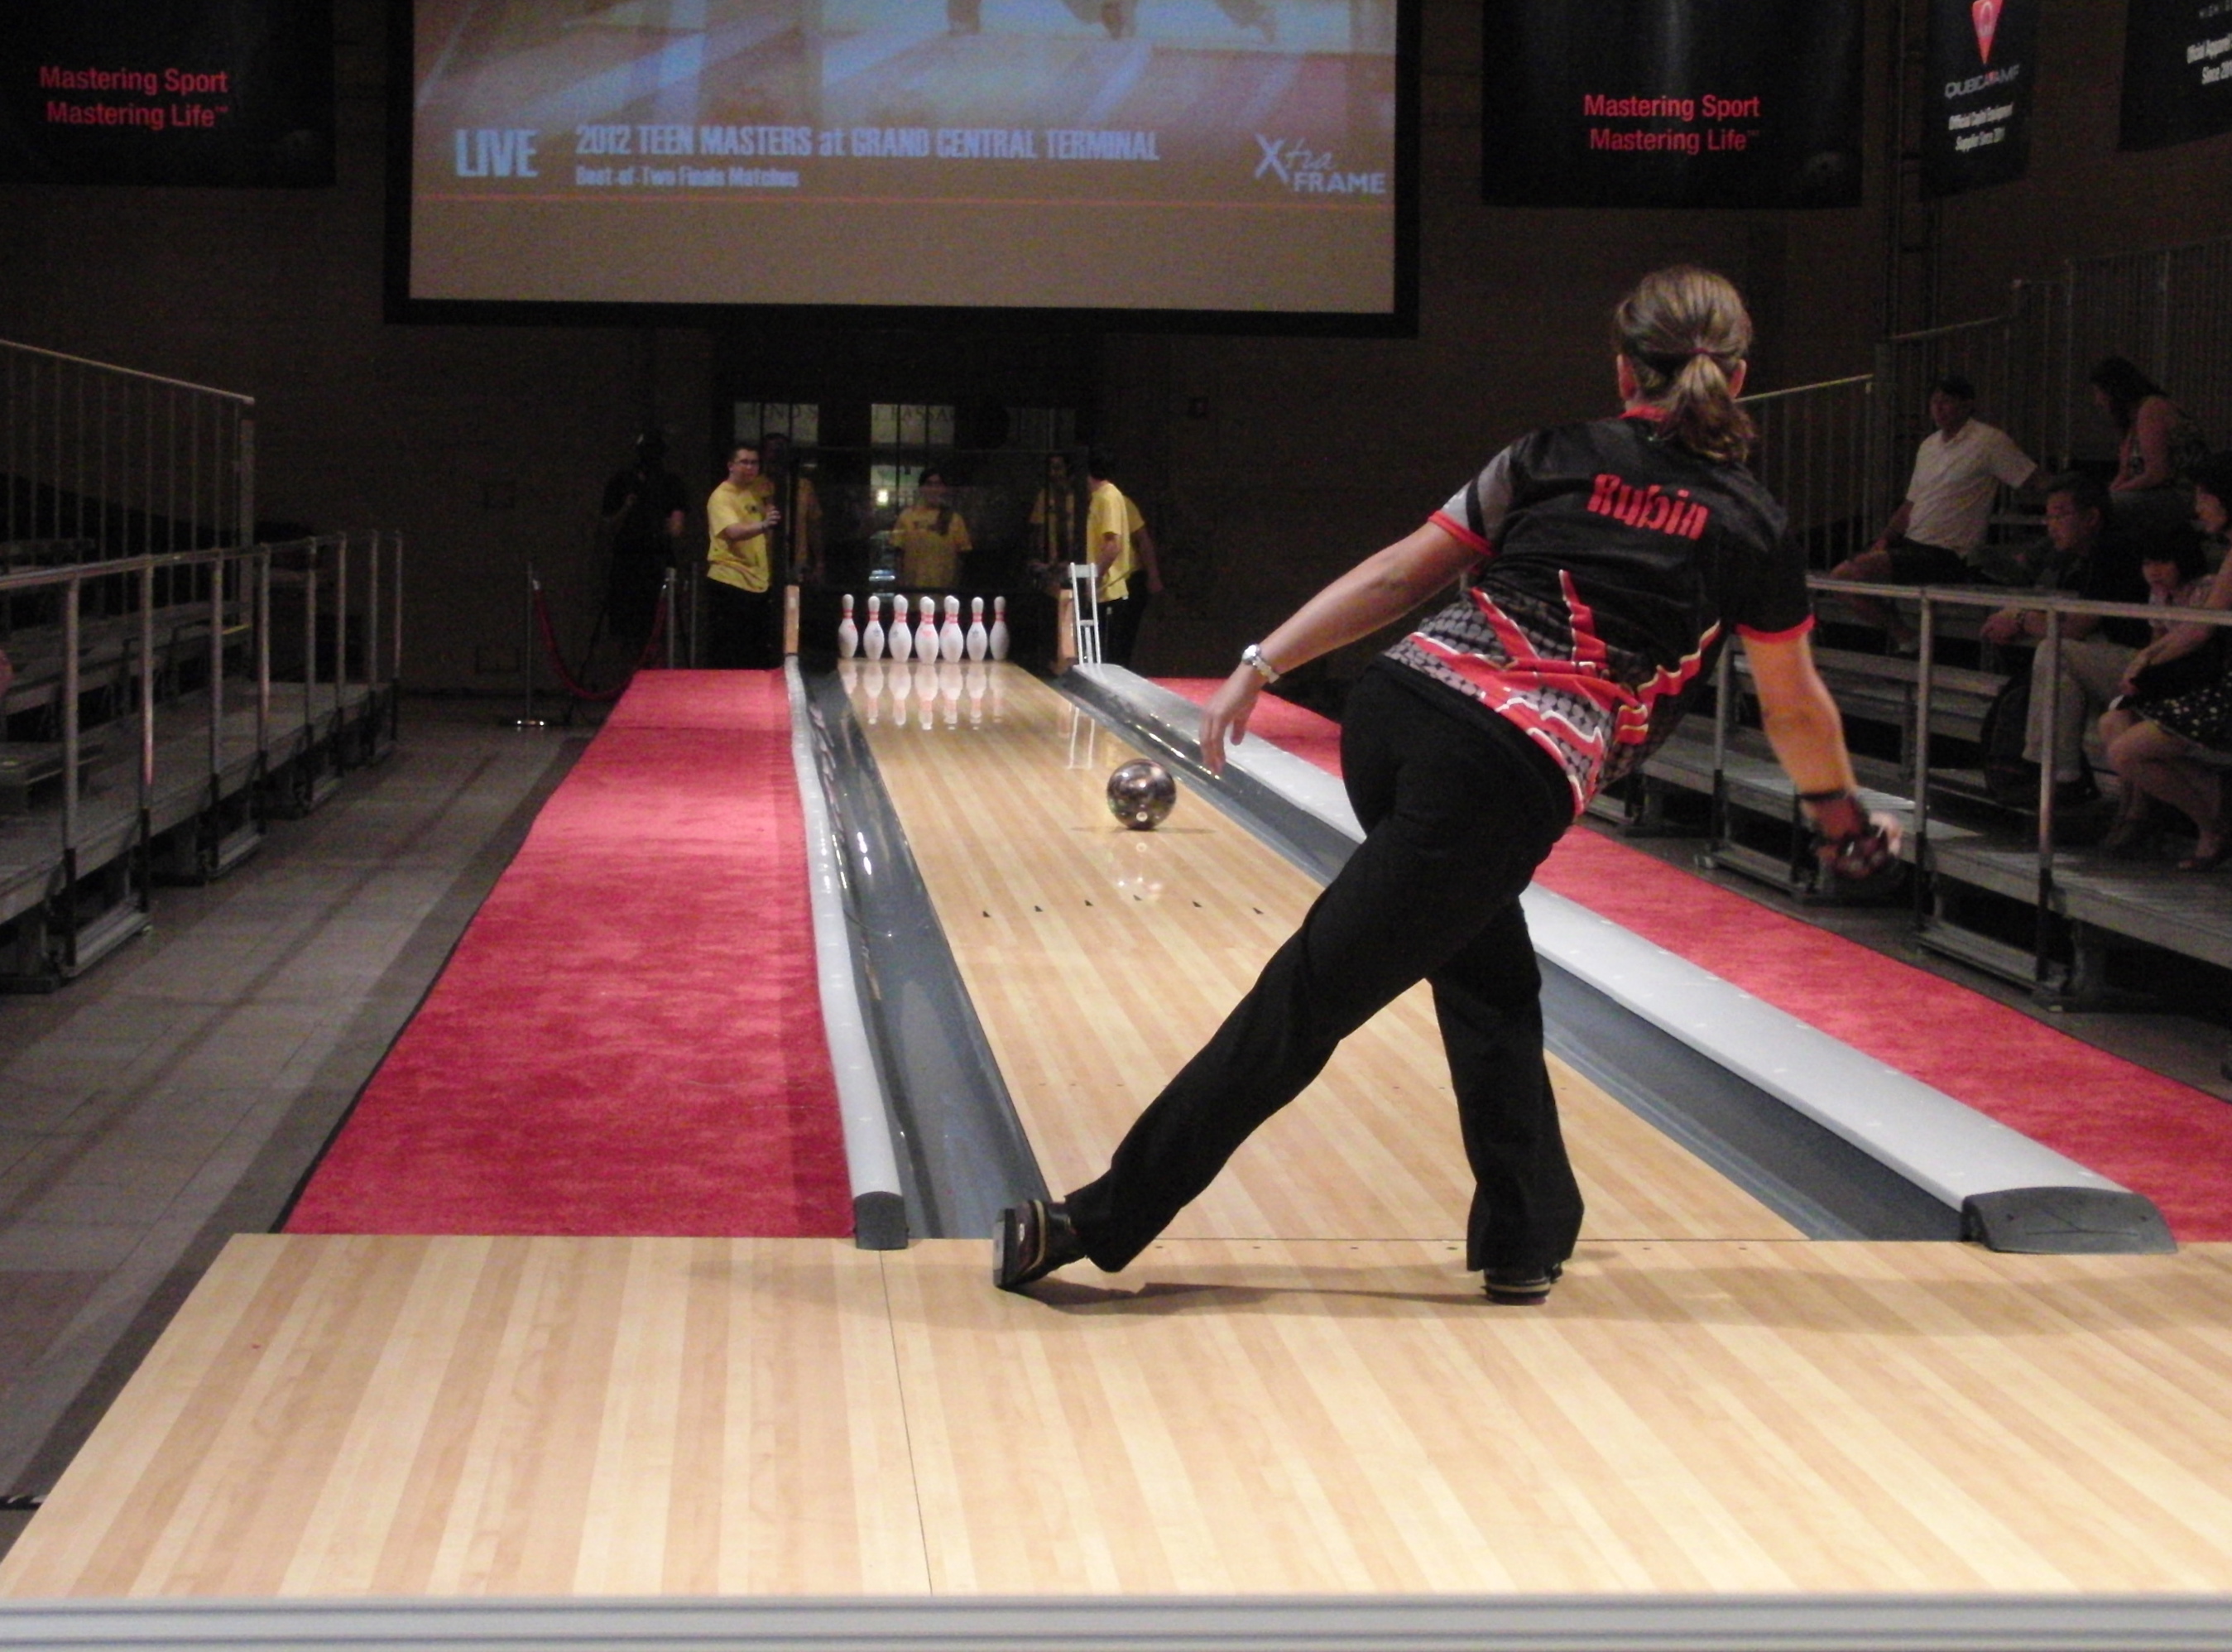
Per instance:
{"type": "Point", "coordinates": [628, 1039]}
{"type": "Point", "coordinates": [2164, 1139]}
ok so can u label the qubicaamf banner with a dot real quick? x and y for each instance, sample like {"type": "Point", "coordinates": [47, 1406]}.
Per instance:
{"type": "Point", "coordinates": [1983, 64]}
{"type": "Point", "coordinates": [1747, 103]}
{"type": "Point", "coordinates": [214, 92]}
{"type": "Point", "coordinates": [2177, 71]}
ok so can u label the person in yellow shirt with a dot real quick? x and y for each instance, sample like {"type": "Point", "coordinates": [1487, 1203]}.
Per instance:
{"type": "Point", "coordinates": [739, 588]}
{"type": "Point", "coordinates": [1117, 538]}
{"type": "Point", "coordinates": [931, 537]}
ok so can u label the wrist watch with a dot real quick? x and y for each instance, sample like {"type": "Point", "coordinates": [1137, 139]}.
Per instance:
{"type": "Point", "coordinates": [1252, 657]}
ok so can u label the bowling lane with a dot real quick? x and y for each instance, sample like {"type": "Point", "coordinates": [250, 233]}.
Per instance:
{"type": "Point", "coordinates": [1099, 959]}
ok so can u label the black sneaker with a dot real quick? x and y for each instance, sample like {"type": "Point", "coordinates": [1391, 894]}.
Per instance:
{"type": "Point", "coordinates": [1032, 1241]}
{"type": "Point", "coordinates": [1521, 1286]}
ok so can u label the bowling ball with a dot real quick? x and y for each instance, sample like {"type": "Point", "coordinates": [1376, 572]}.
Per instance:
{"type": "Point", "coordinates": [1140, 794]}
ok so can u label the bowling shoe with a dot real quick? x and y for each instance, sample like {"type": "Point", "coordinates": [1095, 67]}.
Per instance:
{"type": "Point", "coordinates": [1033, 1239]}
{"type": "Point", "coordinates": [1520, 1286]}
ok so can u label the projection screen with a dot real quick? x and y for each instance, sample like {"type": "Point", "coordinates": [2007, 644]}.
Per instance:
{"type": "Point", "coordinates": [1190, 158]}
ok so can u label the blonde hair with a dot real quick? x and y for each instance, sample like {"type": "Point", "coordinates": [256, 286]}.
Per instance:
{"type": "Point", "coordinates": [1683, 331]}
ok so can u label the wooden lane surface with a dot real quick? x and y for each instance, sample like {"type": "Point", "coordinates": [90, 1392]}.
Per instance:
{"type": "Point", "coordinates": [499, 1416]}
{"type": "Point", "coordinates": [1100, 959]}
{"type": "Point", "coordinates": [513, 1417]}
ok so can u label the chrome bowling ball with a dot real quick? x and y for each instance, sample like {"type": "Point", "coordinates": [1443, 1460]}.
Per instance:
{"type": "Point", "coordinates": [1141, 793]}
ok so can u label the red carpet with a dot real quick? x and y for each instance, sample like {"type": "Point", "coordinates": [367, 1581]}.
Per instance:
{"type": "Point", "coordinates": [2164, 1139]}
{"type": "Point", "coordinates": [628, 1038]}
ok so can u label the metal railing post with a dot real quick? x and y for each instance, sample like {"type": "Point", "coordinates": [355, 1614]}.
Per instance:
{"type": "Point", "coordinates": [1925, 666]}
{"type": "Point", "coordinates": [72, 687]}
{"type": "Point", "coordinates": [340, 628]}
{"type": "Point", "coordinates": [217, 680]}
{"type": "Point", "coordinates": [2050, 646]}
{"type": "Point", "coordinates": [309, 648]}
{"type": "Point", "coordinates": [527, 718]}
{"type": "Point", "coordinates": [146, 693]}
{"type": "Point", "coordinates": [262, 600]}
{"type": "Point", "coordinates": [1724, 715]}
{"type": "Point", "coordinates": [395, 642]}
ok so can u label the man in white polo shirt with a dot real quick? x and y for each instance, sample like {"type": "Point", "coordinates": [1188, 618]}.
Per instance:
{"type": "Point", "coordinates": [1932, 538]}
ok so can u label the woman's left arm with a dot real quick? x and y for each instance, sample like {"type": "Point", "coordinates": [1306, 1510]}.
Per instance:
{"type": "Point", "coordinates": [1384, 586]}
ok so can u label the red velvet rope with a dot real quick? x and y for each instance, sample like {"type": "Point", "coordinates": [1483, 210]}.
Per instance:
{"type": "Point", "coordinates": [558, 660]}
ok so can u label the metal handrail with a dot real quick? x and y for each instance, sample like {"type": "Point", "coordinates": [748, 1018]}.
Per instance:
{"type": "Point", "coordinates": [254, 594]}
{"type": "Point", "coordinates": [233, 396]}
{"type": "Point", "coordinates": [1765, 396]}
{"type": "Point", "coordinates": [2057, 606]}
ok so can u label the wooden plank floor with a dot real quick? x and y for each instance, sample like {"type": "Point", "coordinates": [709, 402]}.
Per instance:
{"type": "Point", "coordinates": [1301, 1390]}
{"type": "Point", "coordinates": [1101, 958]}
{"type": "Point", "coordinates": [339, 1416]}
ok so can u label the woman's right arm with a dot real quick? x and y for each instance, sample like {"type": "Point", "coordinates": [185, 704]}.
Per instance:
{"type": "Point", "coordinates": [1384, 587]}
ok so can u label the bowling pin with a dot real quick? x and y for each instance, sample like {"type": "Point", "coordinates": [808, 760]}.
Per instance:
{"type": "Point", "coordinates": [848, 635]}
{"type": "Point", "coordinates": [978, 639]}
{"type": "Point", "coordinates": [925, 635]}
{"type": "Point", "coordinates": [901, 642]}
{"type": "Point", "coordinates": [949, 634]}
{"type": "Point", "coordinates": [872, 639]}
{"type": "Point", "coordinates": [999, 638]}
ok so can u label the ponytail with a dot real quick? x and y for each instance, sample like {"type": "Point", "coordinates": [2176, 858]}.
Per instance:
{"type": "Point", "coordinates": [1683, 332]}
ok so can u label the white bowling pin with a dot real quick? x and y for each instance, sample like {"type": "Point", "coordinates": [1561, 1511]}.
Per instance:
{"type": "Point", "coordinates": [872, 639]}
{"type": "Point", "coordinates": [949, 634]}
{"type": "Point", "coordinates": [848, 635]}
{"type": "Point", "coordinates": [978, 639]}
{"type": "Point", "coordinates": [901, 642]}
{"type": "Point", "coordinates": [999, 638]}
{"type": "Point", "coordinates": [925, 635]}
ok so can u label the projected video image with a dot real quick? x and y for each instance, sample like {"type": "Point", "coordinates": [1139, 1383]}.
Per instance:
{"type": "Point", "coordinates": [1180, 154]}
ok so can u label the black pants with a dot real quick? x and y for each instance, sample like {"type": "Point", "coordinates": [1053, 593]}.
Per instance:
{"type": "Point", "coordinates": [740, 628]}
{"type": "Point", "coordinates": [1120, 626]}
{"type": "Point", "coordinates": [1457, 815]}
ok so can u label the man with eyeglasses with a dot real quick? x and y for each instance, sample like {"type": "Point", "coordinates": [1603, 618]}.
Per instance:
{"type": "Point", "coordinates": [2092, 560]}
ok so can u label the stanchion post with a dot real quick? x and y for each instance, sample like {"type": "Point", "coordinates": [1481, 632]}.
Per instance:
{"type": "Point", "coordinates": [527, 718]}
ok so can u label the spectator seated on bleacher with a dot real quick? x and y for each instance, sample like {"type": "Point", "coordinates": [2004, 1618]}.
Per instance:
{"type": "Point", "coordinates": [1935, 536]}
{"type": "Point", "coordinates": [2095, 559]}
{"type": "Point", "coordinates": [2177, 702]}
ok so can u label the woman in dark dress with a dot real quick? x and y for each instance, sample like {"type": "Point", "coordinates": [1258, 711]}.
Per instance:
{"type": "Point", "coordinates": [2177, 697]}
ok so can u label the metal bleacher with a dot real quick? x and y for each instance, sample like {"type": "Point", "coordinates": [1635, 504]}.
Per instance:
{"type": "Point", "coordinates": [1837, 454]}
{"type": "Point", "coordinates": [2084, 904]}
{"type": "Point", "coordinates": [175, 687]}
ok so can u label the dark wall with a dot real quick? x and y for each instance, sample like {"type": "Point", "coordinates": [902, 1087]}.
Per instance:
{"type": "Point", "coordinates": [487, 445]}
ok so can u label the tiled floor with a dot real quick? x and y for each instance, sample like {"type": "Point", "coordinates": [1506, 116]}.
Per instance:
{"type": "Point", "coordinates": [177, 1093]}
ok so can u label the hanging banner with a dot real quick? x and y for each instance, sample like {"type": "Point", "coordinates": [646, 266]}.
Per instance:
{"type": "Point", "coordinates": [214, 92]}
{"type": "Point", "coordinates": [2177, 71]}
{"type": "Point", "coordinates": [1750, 103]}
{"type": "Point", "coordinates": [1976, 101]}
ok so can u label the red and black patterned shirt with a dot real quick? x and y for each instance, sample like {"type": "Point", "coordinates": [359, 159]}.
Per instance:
{"type": "Point", "coordinates": [1613, 562]}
